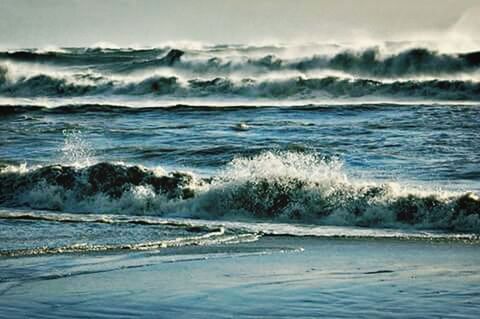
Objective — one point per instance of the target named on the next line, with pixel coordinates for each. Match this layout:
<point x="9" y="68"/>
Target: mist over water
<point x="275" y="72"/>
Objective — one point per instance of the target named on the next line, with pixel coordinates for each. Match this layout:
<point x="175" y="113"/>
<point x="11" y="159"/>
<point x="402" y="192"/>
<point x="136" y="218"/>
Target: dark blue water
<point x="435" y="144"/>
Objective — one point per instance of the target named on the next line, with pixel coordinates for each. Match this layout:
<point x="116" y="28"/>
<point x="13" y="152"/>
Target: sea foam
<point x="285" y="186"/>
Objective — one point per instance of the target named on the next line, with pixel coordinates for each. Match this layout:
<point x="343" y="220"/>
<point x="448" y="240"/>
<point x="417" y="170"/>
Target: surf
<point x="291" y="187"/>
<point x="225" y="72"/>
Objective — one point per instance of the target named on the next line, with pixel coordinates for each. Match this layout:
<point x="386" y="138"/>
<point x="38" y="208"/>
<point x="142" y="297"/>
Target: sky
<point x="32" y="23"/>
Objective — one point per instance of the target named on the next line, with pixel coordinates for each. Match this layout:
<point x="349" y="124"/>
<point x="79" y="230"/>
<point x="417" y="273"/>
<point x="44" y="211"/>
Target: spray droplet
<point x="76" y="150"/>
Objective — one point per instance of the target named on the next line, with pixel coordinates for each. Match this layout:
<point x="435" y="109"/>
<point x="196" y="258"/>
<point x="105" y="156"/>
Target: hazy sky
<point x="31" y="23"/>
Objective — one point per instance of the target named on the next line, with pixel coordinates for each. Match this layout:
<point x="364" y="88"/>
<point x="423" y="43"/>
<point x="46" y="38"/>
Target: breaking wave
<point x="372" y="61"/>
<point x="296" y="87"/>
<point x="235" y="71"/>
<point x="283" y="187"/>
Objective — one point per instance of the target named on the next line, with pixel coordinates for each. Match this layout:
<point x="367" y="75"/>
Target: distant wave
<point x="80" y="56"/>
<point x="292" y="187"/>
<point x="361" y="62"/>
<point x="245" y="72"/>
<point x="412" y="61"/>
<point x="298" y="87"/>
<point x="138" y="106"/>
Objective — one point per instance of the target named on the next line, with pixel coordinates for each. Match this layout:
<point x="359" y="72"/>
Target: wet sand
<point x="277" y="276"/>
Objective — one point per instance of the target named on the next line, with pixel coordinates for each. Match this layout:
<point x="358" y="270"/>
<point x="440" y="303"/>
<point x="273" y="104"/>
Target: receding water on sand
<point x="272" y="277"/>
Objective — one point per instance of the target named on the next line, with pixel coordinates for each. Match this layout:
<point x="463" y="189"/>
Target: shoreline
<point x="273" y="277"/>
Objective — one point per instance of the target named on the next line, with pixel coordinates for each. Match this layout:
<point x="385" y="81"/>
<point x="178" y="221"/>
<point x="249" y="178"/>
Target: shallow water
<point x="339" y="278"/>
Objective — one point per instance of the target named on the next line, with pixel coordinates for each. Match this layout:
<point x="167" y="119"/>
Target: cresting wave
<point x="235" y="71"/>
<point x="368" y="61"/>
<point x="282" y="187"/>
<point x="296" y="87"/>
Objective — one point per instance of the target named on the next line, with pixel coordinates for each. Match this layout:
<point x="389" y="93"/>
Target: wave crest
<point x="271" y="186"/>
<point x="371" y="61"/>
<point x="245" y="72"/>
<point x="44" y="85"/>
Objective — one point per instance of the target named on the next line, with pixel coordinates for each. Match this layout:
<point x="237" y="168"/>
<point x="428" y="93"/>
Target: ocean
<point x="302" y="159"/>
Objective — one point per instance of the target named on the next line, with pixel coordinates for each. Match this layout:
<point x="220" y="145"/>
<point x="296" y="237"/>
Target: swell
<point x="289" y="187"/>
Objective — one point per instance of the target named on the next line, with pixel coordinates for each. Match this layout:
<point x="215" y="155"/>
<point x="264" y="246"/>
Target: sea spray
<point x="241" y="72"/>
<point x="271" y="186"/>
<point x="76" y="150"/>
